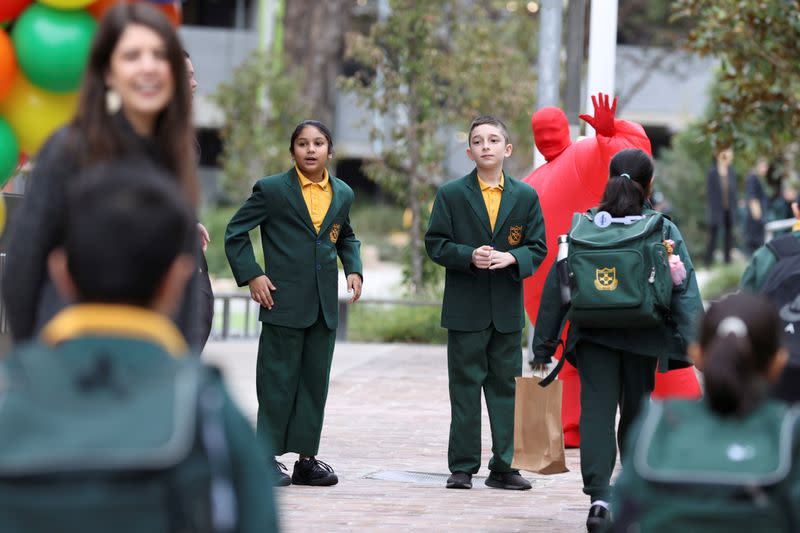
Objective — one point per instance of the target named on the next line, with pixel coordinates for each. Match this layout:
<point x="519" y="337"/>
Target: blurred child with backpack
<point x="632" y="306"/>
<point x="107" y="424"/>
<point x="774" y="271"/>
<point x="725" y="463"/>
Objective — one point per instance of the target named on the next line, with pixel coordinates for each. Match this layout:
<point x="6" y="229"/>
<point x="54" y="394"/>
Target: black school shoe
<point x="311" y="471"/>
<point x="459" y="480"/>
<point x="599" y="519"/>
<point x="507" y="480"/>
<point x="282" y="479"/>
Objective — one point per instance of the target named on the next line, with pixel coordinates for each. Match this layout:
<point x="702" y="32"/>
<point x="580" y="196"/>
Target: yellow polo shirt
<point x="318" y="197"/>
<point x="114" y="320"/>
<point x="491" y="197"/>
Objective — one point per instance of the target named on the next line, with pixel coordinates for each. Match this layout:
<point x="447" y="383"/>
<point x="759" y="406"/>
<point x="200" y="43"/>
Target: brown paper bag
<point x="538" y="434"/>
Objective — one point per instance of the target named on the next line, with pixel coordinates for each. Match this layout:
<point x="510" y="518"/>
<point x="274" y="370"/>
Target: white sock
<point x="601" y="503"/>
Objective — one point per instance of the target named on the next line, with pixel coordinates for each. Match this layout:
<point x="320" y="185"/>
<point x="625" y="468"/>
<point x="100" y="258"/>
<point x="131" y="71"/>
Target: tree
<point x="428" y="69"/>
<point x="756" y="102"/>
<point x="259" y="105"/>
<point x="313" y="39"/>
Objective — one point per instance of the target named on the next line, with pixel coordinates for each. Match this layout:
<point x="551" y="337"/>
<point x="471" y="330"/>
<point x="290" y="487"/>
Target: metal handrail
<point x="250" y="329"/>
<point x="770" y="228"/>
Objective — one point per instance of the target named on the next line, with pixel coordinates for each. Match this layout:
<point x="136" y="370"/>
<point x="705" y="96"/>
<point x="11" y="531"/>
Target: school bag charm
<point x="619" y="273"/>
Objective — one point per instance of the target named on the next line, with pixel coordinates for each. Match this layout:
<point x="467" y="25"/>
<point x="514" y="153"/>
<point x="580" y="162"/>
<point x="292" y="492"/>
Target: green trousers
<point x="486" y="360"/>
<point x="292" y="375"/>
<point x="609" y="378"/>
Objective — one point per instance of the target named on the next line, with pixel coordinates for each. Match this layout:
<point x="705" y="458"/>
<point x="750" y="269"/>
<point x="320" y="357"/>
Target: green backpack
<point x="117" y="447"/>
<point x="693" y="471"/>
<point x="618" y="271"/>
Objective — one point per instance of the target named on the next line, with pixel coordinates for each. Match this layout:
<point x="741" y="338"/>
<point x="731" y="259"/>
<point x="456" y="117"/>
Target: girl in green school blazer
<point x="304" y="218"/>
<point x="617" y="366"/>
<point x="727" y="462"/>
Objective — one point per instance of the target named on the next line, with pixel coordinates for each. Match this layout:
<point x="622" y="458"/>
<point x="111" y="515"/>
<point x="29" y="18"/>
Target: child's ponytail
<point x="630" y="172"/>
<point x="739" y="336"/>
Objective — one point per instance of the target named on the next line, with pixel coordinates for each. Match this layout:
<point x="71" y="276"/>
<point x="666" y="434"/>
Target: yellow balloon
<point x="67" y="4"/>
<point x="2" y="213"/>
<point x="34" y="113"/>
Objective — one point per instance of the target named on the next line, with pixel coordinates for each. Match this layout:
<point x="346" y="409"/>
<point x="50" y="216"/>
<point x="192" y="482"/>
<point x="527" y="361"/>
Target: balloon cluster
<point x="44" y="47"/>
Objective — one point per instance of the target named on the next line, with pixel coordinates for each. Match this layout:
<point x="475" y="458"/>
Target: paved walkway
<point x="388" y="411"/>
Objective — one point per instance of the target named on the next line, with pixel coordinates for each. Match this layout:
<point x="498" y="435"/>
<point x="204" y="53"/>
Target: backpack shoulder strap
<point x="784" y="246"/>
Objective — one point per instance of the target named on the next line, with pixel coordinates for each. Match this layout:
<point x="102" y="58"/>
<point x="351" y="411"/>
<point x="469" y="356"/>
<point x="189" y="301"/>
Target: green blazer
<point x="475" y="298"/>
<point x="301" y="264"/>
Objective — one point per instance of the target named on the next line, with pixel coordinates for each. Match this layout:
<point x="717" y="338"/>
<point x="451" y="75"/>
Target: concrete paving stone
<point x="388" y="409"/>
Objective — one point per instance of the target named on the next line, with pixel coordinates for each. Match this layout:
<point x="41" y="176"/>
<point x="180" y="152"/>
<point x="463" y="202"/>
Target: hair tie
<point x="625" y="175"/>
<point x="732" y="325"/>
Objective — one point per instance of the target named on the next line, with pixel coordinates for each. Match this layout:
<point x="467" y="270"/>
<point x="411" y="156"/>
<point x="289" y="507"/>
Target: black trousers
<point x="727" y="238"/>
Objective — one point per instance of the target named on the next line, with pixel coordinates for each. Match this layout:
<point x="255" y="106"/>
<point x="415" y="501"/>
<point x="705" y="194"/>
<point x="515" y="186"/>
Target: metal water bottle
<point x="562" y="269"/>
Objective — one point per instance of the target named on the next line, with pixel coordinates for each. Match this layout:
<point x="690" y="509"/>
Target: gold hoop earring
<point x="113" y="102"/>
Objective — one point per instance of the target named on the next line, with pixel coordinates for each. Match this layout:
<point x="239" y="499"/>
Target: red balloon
<point x="99" y="8"/>
<point x="8" y="64"/>
<point x="171" y="9"/>
<point x="10" y="9"/>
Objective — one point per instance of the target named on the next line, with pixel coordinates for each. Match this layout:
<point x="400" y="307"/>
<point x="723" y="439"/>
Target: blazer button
<point x="319" y="242"/>
<point x="319" y="267"/>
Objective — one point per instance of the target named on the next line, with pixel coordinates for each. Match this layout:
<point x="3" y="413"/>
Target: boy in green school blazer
<point x="104" y="415"/>
<point x="304" y="217"/>
<point x="487" y="230"/>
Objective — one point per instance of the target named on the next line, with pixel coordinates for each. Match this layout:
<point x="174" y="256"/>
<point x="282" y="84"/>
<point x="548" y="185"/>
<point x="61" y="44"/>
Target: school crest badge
<point x="515" y="235"/>
<point x="334" y="234"/>
<point x="605" y="279"/>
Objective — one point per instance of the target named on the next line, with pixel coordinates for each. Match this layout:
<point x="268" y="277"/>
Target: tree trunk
<point x="314" y="41"/>
<point x="414" y="204"/>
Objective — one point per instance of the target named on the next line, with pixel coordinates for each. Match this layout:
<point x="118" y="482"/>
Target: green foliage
<point x="724" y="279"/>
<point x="681" y="176"/>
<point x="379" y="323"/>
<point x="379" y="225"/>
<point x="429" y="67"/>
<point x="261" y="104"/>
<point x="756" y="103"/>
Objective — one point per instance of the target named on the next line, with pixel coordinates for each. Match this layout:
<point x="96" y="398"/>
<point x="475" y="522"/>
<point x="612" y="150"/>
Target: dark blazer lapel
<point x="295" y="198"/>
<point x="336" y="204"/>
<point x="507" y="201"/>
<point x="475" y="199"/>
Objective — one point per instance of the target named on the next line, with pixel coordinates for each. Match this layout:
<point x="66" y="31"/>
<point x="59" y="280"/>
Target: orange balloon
<point x="8" y="65"/>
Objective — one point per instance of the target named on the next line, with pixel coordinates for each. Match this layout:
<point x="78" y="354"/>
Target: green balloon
<point x="9" y="152"/>
<point x="52" y="46"/>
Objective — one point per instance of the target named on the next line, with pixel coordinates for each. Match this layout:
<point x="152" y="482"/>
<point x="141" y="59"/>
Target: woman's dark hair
<point x="739" y="336"/>
<point x="630" y="174"/>
<point x="100" y="132"/>
<point x="317" y="124"/>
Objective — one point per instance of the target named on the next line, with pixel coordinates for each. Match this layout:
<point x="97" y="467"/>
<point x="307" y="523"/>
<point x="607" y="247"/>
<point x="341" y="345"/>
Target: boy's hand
<point x="482" y="257"/>
<point x="260" y="288"/>
<point x="501" y="260"/>
<point x="354" y="285"/>
<point x="205" y="238"/>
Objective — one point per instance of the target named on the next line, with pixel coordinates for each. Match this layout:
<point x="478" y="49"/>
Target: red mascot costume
<point x="573" y="180"/>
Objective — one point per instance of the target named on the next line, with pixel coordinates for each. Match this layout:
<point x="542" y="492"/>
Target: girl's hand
<point x="501" y="260"/>
<point x="354" y="285"/>
<point x="205" y="238"/>
<point x="260" y="291"/>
